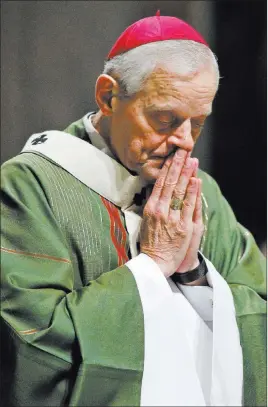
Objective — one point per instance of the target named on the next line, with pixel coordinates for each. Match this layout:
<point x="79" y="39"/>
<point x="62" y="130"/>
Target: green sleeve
<point x="61" y="346"/>
<point x="232" y="250"/>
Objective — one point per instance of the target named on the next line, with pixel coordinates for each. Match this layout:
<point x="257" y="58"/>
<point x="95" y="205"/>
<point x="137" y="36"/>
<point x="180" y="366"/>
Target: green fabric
<point x="88" y="347"/>
<point x="79" y="329"/>
<point x="234" y="253"/>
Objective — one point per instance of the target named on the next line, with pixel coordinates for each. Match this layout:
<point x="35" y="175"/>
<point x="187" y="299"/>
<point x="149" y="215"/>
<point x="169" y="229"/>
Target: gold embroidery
<point x="38" y="255"/>
<point x="28" y="331"/>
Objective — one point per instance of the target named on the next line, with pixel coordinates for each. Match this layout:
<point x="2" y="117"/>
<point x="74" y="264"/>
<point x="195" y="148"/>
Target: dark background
<point x="53" y="51"/>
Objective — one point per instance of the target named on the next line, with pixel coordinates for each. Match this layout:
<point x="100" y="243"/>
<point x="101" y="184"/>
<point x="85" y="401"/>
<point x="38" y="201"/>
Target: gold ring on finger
<point x="176" y="204"/>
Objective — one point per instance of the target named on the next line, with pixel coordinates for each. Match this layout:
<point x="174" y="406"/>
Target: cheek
<point x="128" y="149"/>
<point x="142" y="145"/>
<point x="133" y="139"/>
<point x="135" y="148"/>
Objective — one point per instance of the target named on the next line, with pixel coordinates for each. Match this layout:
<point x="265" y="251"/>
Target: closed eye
<point x="164" y="120"/>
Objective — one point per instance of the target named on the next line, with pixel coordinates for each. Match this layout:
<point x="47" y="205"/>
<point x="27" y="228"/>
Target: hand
<point x="166" y="234"/>
<point x="191" y="260"/>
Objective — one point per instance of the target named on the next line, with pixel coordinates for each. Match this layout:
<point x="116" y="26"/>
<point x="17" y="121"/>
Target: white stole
<point x="196" y="367"/>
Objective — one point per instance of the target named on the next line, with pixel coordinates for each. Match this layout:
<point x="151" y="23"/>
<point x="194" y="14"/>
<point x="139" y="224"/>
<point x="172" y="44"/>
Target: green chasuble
<point x="71" y="311"/>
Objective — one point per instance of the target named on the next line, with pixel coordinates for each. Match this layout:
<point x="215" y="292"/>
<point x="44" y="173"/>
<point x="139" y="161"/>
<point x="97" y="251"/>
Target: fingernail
<point x="193" y="182"/>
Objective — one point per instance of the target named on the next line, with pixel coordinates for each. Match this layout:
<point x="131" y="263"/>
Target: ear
<point x="105" y="89"/>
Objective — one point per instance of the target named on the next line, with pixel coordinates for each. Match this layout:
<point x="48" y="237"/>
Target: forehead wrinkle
<point x="163" y="73"/>
<point x="180" y="106"/>
<point x="186" y="98"/>
<point x="163" y="81"/>
<point x="186" y="90"/>
<point x="183" y="91"/>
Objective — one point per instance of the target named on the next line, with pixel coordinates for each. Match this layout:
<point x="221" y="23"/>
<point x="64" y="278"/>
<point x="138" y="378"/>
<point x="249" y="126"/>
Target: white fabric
<point x="227" y="359"/>
<point x="176" y="372"/>
<point x="201" y="299"/>
<point x="178" y="352"/>
<point x="214" y="360"/>
<point x="71" y="153"/>
<point x="95" y="138"/>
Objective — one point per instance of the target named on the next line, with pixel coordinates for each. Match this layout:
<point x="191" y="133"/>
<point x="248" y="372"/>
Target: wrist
<point x="194" y="265"/>
<point x="196" y="276"/>
<point x="159" y="263"/>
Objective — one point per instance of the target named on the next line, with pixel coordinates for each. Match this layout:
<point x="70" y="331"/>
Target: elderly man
<point x="126" y="279"/>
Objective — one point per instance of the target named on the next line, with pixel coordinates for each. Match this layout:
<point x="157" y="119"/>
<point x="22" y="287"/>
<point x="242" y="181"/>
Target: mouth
<point x="157" y="158"/>
<point x="155" y="161"/>
<point x="163" y="157"/>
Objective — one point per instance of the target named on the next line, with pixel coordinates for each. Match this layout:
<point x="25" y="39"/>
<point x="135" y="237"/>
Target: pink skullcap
<point x="152" y="29"/>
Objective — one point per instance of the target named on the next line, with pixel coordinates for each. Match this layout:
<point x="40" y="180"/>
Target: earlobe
<point x="106" y="88"/>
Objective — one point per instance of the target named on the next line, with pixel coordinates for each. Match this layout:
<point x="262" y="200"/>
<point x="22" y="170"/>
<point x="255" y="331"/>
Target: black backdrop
<point x="239" y="142"/>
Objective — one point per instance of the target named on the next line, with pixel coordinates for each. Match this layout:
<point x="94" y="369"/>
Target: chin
<point x="149" y="174"/>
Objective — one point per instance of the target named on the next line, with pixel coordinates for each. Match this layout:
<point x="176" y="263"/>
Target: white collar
<point x="95" y="137"/>
<point x="89" y="164"/>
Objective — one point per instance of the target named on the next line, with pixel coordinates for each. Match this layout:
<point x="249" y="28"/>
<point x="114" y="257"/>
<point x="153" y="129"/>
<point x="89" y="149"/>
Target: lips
<point x="163" y="157"/>
<point x="154" y="163"/>
<point x="151" y="159"/>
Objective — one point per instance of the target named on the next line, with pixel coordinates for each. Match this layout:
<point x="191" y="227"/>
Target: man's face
<point x="167" y="114"/>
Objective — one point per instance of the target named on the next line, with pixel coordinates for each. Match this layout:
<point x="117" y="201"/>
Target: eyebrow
<point x="164" y="107"/>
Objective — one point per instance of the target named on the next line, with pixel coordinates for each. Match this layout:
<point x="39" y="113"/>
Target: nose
<point x="182" y="136"/>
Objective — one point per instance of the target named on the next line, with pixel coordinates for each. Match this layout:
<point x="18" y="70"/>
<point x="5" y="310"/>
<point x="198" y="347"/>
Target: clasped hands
<point x="172" y="237"/>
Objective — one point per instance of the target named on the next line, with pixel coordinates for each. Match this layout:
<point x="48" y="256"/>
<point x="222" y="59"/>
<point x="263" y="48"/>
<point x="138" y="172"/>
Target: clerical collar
<point x="98" y="142"/>
<point x="96" y="139"/>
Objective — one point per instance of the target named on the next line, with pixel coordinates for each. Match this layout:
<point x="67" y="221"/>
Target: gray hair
<point x="182" y="57"/>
